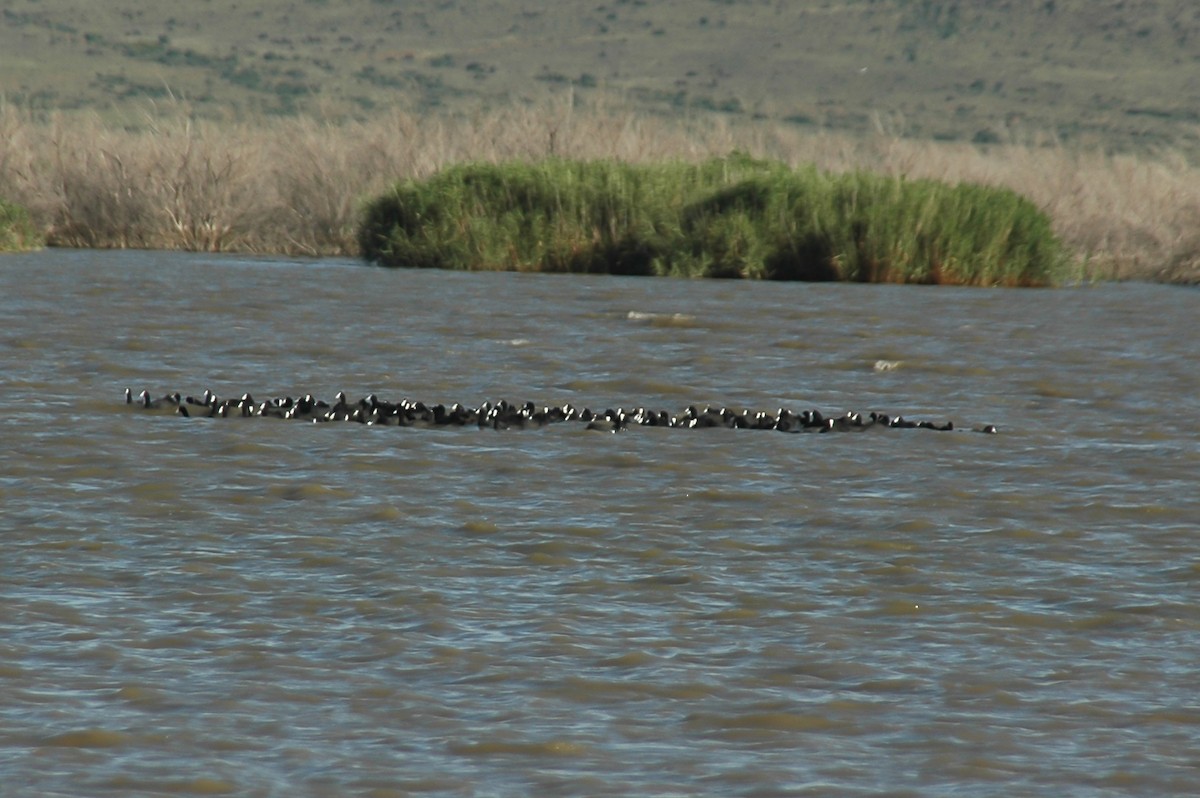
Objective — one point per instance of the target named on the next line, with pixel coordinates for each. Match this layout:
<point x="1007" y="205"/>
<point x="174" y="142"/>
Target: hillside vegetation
<point x="296" y="185"/>
<point x="265" y="125"/>
<point x="1120" y="74"/>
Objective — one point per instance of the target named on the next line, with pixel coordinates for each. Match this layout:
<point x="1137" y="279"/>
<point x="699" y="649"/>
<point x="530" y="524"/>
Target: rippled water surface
<point x="271" y="608"/>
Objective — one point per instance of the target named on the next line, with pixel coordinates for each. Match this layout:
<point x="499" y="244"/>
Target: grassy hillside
<point x="1117" y="73"/>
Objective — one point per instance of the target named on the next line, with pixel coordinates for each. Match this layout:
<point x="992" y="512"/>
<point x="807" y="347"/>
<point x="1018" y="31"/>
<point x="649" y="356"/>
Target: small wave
<point x="631" y="659"/>
<point x="305" y="492"/>
<point x="480" y="526"/>
<point x="383" y="512"/>
<point x="551" y="748"/>
<point x="89" y="738"/>
<point x="766" y="721"/>
<point x="662" y="319"/>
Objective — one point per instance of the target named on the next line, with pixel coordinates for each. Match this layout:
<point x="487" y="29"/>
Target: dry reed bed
<point x="296" y="186"/>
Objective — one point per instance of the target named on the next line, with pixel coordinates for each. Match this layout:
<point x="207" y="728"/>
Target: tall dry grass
<point x="296" y="185"/>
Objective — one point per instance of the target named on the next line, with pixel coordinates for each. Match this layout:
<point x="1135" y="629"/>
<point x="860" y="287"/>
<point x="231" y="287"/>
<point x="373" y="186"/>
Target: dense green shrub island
<point x="726" y="217"/>
<point x="17" y="231"/>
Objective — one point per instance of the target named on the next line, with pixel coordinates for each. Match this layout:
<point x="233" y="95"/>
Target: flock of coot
<point x="503" y="415"/>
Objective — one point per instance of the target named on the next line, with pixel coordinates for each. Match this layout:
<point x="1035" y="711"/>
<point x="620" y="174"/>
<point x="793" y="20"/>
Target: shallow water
<point x="270" y="608"/>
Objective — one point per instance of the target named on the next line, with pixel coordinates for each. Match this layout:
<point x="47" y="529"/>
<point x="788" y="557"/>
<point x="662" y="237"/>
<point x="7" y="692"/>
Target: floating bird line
<point x="501" y="415"/>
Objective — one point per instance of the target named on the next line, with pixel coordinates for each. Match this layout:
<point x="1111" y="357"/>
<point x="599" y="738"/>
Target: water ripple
<point x="217" y="607"/>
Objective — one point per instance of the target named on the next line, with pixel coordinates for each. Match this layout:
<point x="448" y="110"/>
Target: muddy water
<point x="270" y="608"/>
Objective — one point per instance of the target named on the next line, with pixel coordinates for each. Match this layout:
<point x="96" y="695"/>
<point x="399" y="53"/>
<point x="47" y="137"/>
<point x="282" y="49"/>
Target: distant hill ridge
<point x="1123" y="74"/>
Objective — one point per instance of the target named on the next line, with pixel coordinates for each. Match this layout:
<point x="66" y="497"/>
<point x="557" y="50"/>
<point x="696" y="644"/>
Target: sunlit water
<point x="270" y="608"/>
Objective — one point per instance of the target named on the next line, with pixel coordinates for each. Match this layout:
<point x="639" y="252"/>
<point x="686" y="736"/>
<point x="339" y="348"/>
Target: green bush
<point x="17" y="231"/>
<point x="726" y="217"/>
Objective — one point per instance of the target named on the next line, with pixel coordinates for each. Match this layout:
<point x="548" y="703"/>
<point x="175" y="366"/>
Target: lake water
<point x="271" y="608"/>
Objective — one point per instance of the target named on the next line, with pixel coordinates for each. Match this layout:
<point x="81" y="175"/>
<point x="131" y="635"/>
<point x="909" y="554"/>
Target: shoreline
<point x="1183" y="281"/>
<point x="296" y="186"/>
